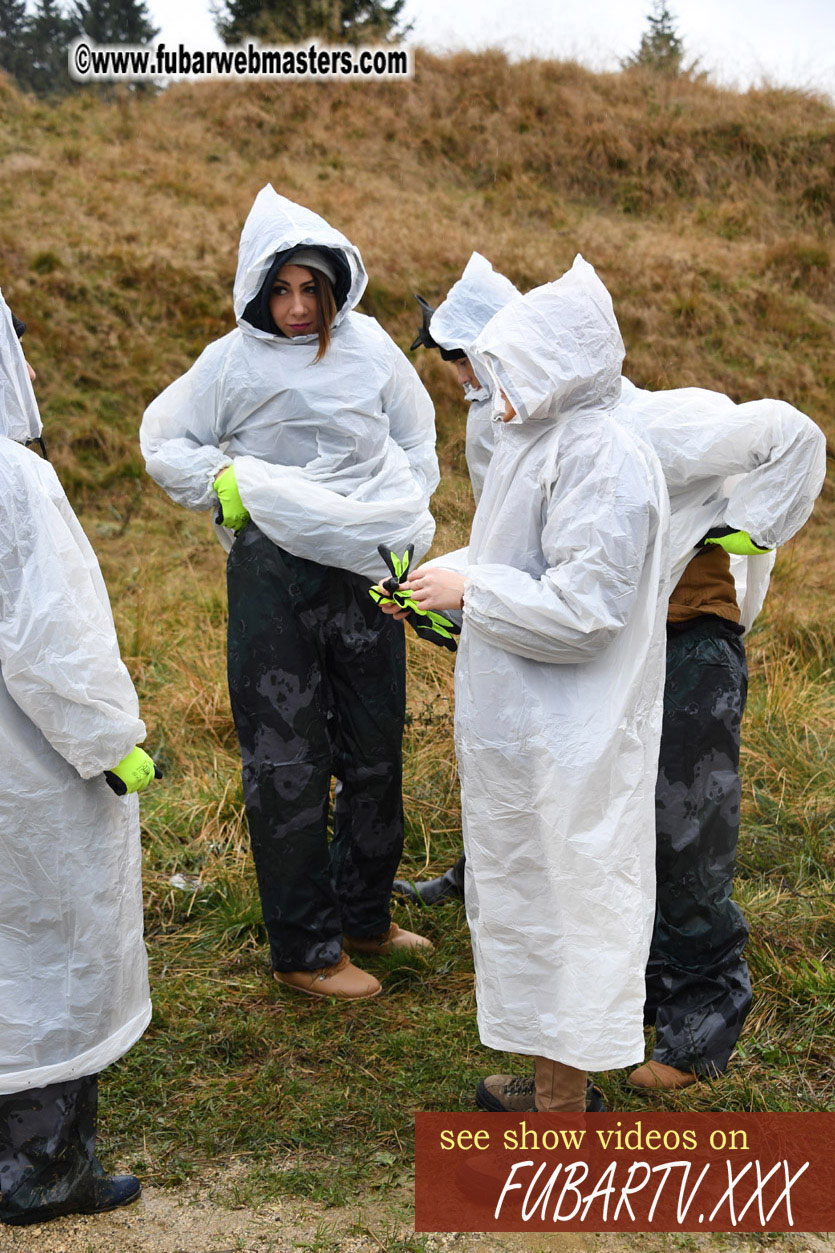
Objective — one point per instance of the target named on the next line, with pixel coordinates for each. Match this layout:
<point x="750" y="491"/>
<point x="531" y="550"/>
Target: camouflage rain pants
<point x="47" y="1147"/>
<point x="317" y="682"/>
<point x="698" y="989"/>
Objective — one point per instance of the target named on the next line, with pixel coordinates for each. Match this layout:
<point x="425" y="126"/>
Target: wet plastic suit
<point x="317" y="685"/>
<point x="698" y="988"/>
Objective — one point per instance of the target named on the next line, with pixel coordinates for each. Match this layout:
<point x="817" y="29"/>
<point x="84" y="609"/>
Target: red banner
<point x="625" y="1172"/>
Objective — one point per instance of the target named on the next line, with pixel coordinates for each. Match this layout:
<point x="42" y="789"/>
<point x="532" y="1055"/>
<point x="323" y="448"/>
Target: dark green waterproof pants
<point x="698" y="988"/>
<point x="318" y="690"/>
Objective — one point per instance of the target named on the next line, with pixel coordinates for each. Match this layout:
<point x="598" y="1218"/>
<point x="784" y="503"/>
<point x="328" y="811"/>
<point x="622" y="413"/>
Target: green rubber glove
<point x="738" y="543"/>
<point x="232" y="512"/>
<point x="436" y="628"/>
<point x="133" y="773"/>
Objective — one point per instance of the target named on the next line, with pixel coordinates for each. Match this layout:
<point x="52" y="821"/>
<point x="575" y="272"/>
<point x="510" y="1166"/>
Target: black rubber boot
<point x="108" y="1192"/>
<point x="112" y="1191"/>
<point x="447" y="887"/>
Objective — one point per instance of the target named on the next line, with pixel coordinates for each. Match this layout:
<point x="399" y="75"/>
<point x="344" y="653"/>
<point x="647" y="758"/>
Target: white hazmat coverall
<point x="73" y="970"/>
<point x="756" y="467"/>
<point x="332" y="457"/>
<point x="467" y="308"/>
<point x="559" y="680"/>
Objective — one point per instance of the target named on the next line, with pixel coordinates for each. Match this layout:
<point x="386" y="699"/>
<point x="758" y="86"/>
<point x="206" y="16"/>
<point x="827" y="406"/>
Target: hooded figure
<point x="756" y="468"/>
<point x="747" y="476"/>
<point x="73" y="969"/>
<point x="751" y="470"/>
<point x="331" y="457"/>
<point x="457" y="322"/>
<point x="331" y="443"/>
<point x="558" y="689"/>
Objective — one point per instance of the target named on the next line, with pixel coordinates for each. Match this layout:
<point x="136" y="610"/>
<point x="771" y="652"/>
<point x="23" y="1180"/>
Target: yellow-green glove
<point x="437" y="628"/>
<point x="429" y="625"/>
<point x="133" y="773"/>
<point x="738" y="543"/>
<point x="231" y="512"/>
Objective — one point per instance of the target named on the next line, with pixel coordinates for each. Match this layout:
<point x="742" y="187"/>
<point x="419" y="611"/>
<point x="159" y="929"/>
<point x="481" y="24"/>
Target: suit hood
<point x="277" y="225"/>
<point x="556" y="349"/>
<point x="470" y="303"/>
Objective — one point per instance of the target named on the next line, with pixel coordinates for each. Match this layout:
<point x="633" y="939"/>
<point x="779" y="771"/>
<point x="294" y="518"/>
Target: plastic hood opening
<point x="277" y="225"/>
<point x="556" y="349"/>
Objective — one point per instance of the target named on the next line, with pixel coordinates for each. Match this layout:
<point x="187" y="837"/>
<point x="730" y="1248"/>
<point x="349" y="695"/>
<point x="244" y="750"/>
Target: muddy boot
<point x="48" y="1165"/>
<point x="657" y="1077"/>
<point x="506" y="1094"/>
<point x="106" y="1192"/>
<point x="559" y="1089"/>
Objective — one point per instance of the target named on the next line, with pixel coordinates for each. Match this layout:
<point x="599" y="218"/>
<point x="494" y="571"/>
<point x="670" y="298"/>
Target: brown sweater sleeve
<point x="707" y="586"/>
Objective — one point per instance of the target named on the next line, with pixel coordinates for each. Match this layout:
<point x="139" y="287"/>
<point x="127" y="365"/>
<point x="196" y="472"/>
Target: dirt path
<point x="187" y="1220"/>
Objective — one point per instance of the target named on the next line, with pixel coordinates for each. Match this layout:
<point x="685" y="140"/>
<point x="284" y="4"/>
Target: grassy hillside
<point x="709" y="215"/>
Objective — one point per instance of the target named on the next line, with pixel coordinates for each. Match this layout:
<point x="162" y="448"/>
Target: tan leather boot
<point x="559" y="1089"/>
<point x="506" y="1094"/>
<point x="657" y="1077"/>
<point x="393" y="940"/>
<point x="344" y="981"/>
<point x="512" y="1094"/>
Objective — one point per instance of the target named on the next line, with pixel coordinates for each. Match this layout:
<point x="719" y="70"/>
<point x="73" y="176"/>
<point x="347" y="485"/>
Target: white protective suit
<point x="558" y="689"/>
<point x="332" y="457"/>
<point x="755" y="467"/>
<point x="456" y="323"/>
<point x="73" y="969"/>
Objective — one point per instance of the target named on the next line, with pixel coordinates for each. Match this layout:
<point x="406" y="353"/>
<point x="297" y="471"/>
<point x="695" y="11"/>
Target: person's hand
<point x="232" y="511"/>
<point x="737" y="543"/>
<point x="434" y="588"/>
<point x="396" y="598"/>
<point x="133" y="773"/>
<point x="389" y="606"/>
<point x="385" y="589"/>
<point x="509" y="412"/>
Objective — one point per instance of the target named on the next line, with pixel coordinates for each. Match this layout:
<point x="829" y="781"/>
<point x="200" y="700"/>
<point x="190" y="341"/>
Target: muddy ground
<point x="191" y="1219"/>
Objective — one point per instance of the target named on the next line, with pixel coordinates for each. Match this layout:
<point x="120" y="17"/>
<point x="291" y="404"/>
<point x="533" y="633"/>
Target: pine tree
<point x="662" y="49"/>
<point x="14" y="39"/>
<point x="49" y="37"/>
<point x="115" y="21"/>
<point x="292" y="20"/>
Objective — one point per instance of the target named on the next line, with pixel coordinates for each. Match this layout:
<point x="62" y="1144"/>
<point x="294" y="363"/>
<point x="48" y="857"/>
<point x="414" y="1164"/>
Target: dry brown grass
<point x="709" y="214"/>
